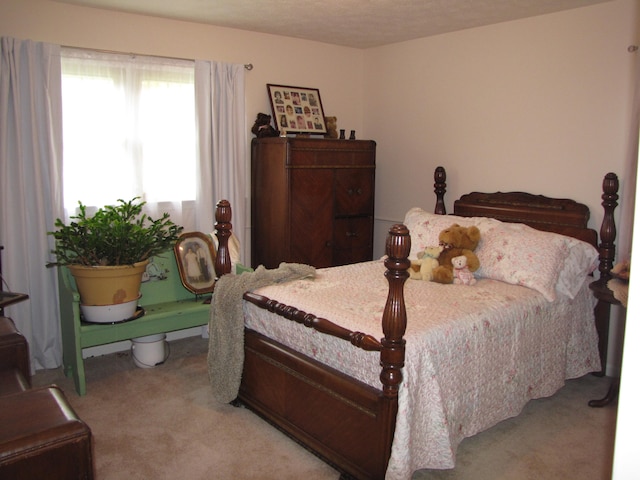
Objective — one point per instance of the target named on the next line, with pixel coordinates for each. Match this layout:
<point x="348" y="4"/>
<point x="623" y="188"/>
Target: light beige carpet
<point x="162" y="423"/>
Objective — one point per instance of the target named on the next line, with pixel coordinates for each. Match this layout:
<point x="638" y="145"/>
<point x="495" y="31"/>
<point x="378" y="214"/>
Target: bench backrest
<point x="166" y="287"/>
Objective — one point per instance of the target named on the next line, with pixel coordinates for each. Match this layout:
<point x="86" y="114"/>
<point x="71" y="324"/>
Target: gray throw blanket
<point x="226" y="325"/>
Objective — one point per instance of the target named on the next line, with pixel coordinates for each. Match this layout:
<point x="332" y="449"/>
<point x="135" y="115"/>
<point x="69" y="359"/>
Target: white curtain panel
<point x="222" y="143"/>
<point x="31" y="189"/>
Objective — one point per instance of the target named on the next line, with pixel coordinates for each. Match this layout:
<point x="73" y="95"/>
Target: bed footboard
<point x="344" y="421"/>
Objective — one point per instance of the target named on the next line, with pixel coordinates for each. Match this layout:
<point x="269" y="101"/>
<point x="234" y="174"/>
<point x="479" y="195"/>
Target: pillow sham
<point x="583" y="259"/>
<point x="425" y="227"/>
<point x="518" y="254"/>
<point x="513" y="252"/>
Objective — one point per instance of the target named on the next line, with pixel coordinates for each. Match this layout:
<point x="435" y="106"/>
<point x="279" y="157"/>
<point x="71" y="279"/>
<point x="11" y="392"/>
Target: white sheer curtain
<point x="129" y="131"/>
<point x="222" y="143"/>
<point x="30" y="189"/>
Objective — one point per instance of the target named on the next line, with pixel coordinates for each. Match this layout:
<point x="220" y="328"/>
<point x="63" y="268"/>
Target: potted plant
<point x="113" y="245"/>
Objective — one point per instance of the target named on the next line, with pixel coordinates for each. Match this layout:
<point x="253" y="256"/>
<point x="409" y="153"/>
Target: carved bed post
<point x="394" y="324"/>
<point x="608" y="228"/>
<point x="223" y="232"/>
<point x="394" y="318"/>
<point x="607" y="251"/>
<point x="440" y="188"/>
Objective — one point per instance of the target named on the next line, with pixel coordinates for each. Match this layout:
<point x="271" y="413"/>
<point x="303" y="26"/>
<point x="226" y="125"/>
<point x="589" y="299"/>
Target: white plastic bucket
<point x="149" y="351"/>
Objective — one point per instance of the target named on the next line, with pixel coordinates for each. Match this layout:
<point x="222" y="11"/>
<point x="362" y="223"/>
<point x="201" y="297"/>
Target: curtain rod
<point x="247" y="66"/>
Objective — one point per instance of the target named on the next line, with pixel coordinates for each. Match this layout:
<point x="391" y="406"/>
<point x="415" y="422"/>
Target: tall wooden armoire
<point x="312" y="201"/>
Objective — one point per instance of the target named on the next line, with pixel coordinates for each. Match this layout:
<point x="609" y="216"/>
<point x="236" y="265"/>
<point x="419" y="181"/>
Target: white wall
<point x="540" y="104"/>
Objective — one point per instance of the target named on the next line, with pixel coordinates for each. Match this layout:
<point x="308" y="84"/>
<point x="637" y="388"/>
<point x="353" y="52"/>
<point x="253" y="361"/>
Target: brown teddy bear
<point x="262" y="127"/>
<point x="332" y="127"/>
<point x="456" y="241"/>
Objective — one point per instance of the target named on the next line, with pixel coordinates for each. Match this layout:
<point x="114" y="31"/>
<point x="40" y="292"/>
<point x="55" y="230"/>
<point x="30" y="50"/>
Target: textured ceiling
<point x="352" y="23"/>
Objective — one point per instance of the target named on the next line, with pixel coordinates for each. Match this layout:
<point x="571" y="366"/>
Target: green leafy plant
<point x="113" y="235"/>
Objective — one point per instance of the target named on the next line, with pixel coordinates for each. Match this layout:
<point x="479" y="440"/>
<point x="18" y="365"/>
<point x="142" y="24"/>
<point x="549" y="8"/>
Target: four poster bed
<point x="452" y="360"/>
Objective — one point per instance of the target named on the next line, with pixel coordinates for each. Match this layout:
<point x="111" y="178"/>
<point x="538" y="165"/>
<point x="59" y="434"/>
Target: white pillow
<point x="518" y="254"/>
<point x="513" y="252"/>
<point x="425" y="227"/>
<point x="583" y="259"/>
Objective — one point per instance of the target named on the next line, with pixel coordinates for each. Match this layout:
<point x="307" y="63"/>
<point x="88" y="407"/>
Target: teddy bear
<point x="456" y="241"/>
<point x="332" y="127"/>
<point x="422" y="268"/>
<point x="262" y="127"/>
<point x="461" y="273"/>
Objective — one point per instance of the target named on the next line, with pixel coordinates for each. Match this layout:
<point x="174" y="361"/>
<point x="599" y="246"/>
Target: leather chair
<point x="41" y="435"/>
<point x="15" y="374"/>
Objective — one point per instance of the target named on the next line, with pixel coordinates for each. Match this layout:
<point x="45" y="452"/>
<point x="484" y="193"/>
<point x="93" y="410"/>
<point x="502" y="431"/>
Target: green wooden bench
<point x="168" y="306"/>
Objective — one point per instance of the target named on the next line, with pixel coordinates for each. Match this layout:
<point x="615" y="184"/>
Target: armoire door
<point x="311" y="217"/>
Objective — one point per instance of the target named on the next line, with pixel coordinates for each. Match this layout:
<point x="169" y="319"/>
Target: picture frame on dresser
<point x="196" y="257"/>
<point x="297" y="109"/>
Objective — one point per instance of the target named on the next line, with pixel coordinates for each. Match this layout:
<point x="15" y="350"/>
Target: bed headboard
<point x="559" y="215"/>
<point x="542" y="213"/>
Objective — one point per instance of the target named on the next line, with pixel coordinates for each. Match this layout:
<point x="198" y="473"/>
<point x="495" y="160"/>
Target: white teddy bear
<point x="461" y="273"/>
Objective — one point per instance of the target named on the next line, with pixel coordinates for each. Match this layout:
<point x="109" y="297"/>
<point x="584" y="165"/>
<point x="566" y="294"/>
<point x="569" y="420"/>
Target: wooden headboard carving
<point x="563" y="216"/>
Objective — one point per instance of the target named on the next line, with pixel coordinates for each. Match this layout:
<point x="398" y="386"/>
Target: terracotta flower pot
<point x="108" y="285"/>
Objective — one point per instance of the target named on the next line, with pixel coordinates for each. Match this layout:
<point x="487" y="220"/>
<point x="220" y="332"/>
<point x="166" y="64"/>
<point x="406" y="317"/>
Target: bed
<point x="398" y="399"/>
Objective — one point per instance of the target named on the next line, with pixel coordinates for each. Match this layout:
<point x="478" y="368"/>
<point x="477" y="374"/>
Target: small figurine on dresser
<point x="332" y="127"/>
<point x="262" y="127"/>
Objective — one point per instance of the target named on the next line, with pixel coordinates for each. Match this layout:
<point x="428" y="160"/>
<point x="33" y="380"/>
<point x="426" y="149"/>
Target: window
<point x="128" y="130"/>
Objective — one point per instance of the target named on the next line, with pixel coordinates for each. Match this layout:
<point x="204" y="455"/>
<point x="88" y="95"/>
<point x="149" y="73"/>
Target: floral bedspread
<point x="475" y="355"/>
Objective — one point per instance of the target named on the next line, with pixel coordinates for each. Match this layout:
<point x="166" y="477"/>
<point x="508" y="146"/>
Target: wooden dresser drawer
<point x="329" y="153"/>
<point x="354" y="191"/>
<point x="352" y="232"/>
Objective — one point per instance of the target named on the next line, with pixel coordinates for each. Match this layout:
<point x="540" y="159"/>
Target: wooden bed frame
<point x="344" y="421"/>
